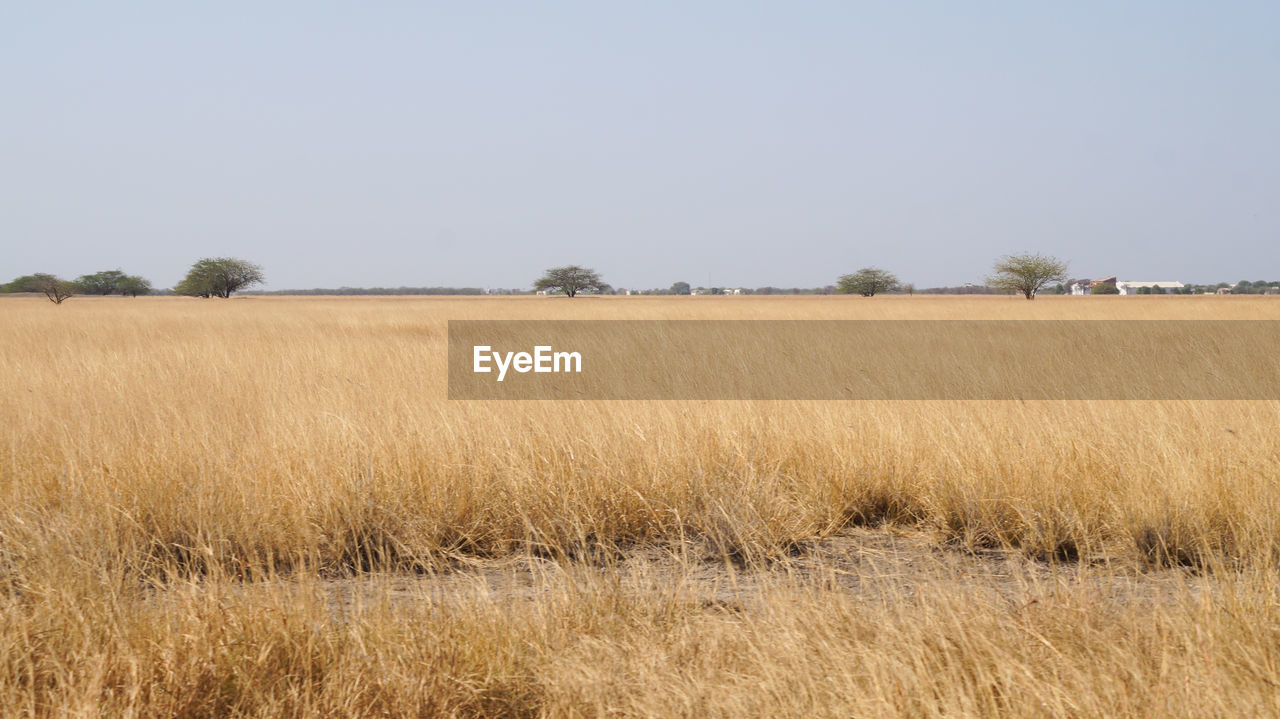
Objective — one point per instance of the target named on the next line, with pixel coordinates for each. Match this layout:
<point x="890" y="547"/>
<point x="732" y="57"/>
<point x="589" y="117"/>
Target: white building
<point x="1130" y="287"/>
<point x="1086" y="287"/>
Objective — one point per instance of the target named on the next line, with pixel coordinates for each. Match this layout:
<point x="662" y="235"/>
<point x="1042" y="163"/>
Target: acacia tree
<point x="867" y="282"/>
<point x="1027" y="273"/>
<point x="55" y="288"/>
<point x="570" y="280"/>
<point x="219" y="277"/>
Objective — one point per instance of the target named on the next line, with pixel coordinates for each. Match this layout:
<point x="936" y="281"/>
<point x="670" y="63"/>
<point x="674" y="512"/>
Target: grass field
<point x="267" y="507"/>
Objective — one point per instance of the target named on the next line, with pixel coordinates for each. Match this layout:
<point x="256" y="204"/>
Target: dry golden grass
<point x="184" y="483"/>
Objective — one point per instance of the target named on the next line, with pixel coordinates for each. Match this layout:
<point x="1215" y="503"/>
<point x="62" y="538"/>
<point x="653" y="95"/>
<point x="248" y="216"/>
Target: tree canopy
<point x="100" y="283"/>
<point x="867" y="282"/>
<point x="571" y="280"/>
<point x="219" y="277"/>
<point x="53" y="287"/>
<point x="111" y="282"/>
<point x="1027" y="273"/>
<point x="25" y="283"/>
<point x="133" y="285"/>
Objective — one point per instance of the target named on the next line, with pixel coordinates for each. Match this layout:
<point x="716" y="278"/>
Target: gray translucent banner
<point x="859" y="359"/>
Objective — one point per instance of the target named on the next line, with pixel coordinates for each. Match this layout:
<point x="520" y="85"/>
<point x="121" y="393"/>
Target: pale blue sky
<point x="475" y="144"/>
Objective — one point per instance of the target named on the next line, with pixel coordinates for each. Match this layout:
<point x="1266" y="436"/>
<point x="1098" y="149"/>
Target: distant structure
<point x="1131" y="287"/>
<point x="1093" y="284"/>
<point x="1125" y="287"/>
<point x="1086" y="287"/>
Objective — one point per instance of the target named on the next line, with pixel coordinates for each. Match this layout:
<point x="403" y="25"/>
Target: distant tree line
<point x="968" y="289"/>
<point x="1245" y="287"/>
<point x="208" y="277"/>
<point x="107" y="282"/>
<point x="386" y="291"/>
<point x="1026" y="274"/>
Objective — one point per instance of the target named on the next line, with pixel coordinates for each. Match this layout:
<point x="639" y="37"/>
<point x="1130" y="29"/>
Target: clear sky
<point x="725" y="143"/>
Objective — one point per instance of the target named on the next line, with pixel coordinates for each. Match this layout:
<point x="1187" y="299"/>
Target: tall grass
<point x="180" y="481"/>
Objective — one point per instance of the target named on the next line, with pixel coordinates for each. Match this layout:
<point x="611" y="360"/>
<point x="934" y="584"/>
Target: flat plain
<point x="266" y="506"/>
